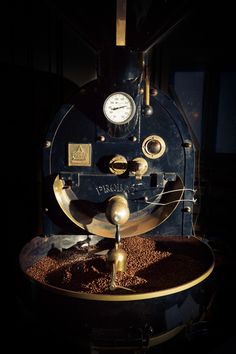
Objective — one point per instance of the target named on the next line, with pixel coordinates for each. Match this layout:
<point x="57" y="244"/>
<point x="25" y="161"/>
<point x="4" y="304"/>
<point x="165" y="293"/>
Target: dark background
<point x="51" y="51"/>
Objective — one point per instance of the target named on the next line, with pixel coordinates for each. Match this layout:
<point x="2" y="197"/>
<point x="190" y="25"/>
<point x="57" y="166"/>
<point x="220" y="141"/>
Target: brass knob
<point x="138" y="167"/>
<point x="118" y="165"/>
<point x="153" y="147"/>
<point x="117" y="211"/>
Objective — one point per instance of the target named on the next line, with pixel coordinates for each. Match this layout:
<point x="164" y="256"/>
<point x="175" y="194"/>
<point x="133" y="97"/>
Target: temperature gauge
<point x="119" y="108"/>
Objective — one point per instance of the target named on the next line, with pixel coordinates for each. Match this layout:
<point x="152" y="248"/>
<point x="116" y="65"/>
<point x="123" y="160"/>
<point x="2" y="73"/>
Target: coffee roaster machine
<point x="119" y="162"/>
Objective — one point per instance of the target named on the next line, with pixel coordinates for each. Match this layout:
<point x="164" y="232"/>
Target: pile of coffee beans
<point x="152" y="264"/>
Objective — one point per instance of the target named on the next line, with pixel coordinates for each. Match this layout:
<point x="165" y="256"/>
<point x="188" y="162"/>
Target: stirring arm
<point x="117" y="235"/>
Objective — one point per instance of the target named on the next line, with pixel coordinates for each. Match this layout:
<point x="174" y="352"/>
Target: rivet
<point x="148" y="111"/>
<point x="153" y="91"/>
<point x="187" y="210"/>
<point x="101" y="138"/>
<point x="187" y="144"/>
<point x="47" y="144"/>
<point x="133" y="138"/>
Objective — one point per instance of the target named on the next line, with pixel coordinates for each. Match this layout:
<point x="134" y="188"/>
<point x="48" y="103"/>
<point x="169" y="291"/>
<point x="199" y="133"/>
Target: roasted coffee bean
<point x="152" y="264"/>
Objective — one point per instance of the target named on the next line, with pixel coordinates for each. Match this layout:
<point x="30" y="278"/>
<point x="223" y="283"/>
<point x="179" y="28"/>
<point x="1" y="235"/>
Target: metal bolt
<point x="47" y="144"/>
<point x="148" y="111"/>
<point x="133" y="138"/>
<point x="153" y="91"/>
<point x="187" y="210"/>
<point x="187" y="144"/>
<point x="101" y="138"/>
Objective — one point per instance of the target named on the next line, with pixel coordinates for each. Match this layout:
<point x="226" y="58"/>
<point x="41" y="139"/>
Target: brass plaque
<point x="79" y="154"/>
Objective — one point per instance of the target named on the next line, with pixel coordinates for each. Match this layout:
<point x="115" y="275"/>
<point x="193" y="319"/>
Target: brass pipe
<point x="121" y="22"/>
<point x="147" y="86"/>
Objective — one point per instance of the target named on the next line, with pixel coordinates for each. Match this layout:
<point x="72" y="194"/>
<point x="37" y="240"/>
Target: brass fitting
<point x="117" y="211"/>
<point x="118" y="257"/>
<point x="118" y="165"/>
<point x="138" y="167"/>
<point x="153" y="147"/>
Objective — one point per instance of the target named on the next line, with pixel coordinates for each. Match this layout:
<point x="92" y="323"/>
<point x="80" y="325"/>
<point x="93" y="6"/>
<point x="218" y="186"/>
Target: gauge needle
<point x="117" y="108"/>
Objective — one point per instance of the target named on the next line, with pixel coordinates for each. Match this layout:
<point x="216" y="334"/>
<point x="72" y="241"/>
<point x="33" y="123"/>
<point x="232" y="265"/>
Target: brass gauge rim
<point x="145" y="148"/>
<point x="118" y="165"/>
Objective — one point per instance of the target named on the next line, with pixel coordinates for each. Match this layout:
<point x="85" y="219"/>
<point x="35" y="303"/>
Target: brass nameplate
<point x="79" y="154"/>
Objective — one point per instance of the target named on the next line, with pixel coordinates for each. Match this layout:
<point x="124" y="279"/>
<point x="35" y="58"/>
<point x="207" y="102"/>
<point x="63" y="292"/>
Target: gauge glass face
<point x="119" y="108"/>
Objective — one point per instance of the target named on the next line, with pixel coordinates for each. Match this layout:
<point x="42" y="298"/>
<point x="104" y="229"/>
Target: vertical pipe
<point x="147" y="86"/>
<point x="121" y="22"/>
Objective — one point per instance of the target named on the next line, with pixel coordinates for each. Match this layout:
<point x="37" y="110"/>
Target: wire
<point x="176" y="190"/>
<point x="173" y="201"/>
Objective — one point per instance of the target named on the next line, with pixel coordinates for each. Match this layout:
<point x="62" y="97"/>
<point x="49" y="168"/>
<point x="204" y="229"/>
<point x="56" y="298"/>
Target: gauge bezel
<point x="149" y="154"/>
<point x="133" y="107"/>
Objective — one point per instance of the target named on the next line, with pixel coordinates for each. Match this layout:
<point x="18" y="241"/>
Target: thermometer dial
<point x="119" y="108"/>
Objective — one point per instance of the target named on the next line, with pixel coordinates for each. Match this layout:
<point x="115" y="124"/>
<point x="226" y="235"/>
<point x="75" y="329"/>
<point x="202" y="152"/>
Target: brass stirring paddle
<point x="117" y="213"/>
<point x="118" y="258"/>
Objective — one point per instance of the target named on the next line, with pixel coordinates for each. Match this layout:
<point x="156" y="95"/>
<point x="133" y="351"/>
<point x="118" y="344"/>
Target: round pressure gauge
<point x="119" y="108"/>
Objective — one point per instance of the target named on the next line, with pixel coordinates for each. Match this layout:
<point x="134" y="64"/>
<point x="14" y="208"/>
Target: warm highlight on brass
<point x="118" y="257"/>
<point x="121" y="22"/>
<point x="118" y="165"/>
<point x="117" y="211"/>
<point x="147" y="87"/>
<point x="153" y="147"/>
<point x="139" y="167"/>
<point x="79" y="154"/>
